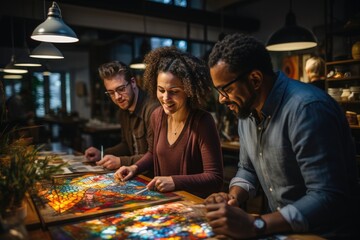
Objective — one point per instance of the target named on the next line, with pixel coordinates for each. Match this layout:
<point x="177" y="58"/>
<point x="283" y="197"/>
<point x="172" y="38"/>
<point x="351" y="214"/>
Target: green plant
<point x="20" y="166"/>
<point x="20" y="170"/>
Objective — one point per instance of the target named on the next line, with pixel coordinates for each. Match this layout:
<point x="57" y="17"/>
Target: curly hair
<point x="111" y="69"/>
<point x="242" y="53"/>
<point x="193" y="73"/>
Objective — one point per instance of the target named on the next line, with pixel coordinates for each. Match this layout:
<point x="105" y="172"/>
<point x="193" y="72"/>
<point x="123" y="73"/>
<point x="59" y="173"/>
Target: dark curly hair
<point x="192" y="71"/>
<point x="242" y="53"/>
<point x="111" y="69"/>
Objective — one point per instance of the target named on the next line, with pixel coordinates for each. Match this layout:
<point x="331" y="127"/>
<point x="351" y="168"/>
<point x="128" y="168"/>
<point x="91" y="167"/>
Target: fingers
<point x="216" y="198"/>
<point x="156" y="185"/>
<point x="107" y="162"/>
<point x="92" y="154"/>
<point x="151" y="185"/>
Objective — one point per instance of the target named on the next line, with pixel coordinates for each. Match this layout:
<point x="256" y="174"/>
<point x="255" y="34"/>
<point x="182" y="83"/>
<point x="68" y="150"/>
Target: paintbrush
<point x="141" y="191"/>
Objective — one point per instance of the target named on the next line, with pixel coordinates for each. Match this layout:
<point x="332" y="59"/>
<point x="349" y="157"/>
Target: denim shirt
<point x="301" y="153"/>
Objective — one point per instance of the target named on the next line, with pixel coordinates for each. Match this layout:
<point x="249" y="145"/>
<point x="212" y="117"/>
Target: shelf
<point x="349" y="61"/>
<point x="354" y="126"/>
<point x="344" y="78"/>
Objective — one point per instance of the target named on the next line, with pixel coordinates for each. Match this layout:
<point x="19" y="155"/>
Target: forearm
<point x="276" y="223"/>
<point x="240" y="194"/>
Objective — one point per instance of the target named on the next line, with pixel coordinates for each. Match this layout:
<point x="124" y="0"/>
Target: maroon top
<point x="194" y="160"/>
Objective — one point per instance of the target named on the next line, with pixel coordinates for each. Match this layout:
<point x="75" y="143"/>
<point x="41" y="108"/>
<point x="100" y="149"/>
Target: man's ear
<point x="256" y="79"/>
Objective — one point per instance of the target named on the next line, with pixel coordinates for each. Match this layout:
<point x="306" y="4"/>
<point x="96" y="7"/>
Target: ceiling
<point x="218" y="14"/>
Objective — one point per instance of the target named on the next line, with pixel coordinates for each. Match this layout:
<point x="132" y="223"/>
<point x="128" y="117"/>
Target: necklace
<point x="176" y="129"/>
<point x="178" y="126"/>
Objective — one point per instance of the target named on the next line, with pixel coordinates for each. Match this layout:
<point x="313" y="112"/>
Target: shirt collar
<point x="273" y="100"/>
<point x="139" y="102"/>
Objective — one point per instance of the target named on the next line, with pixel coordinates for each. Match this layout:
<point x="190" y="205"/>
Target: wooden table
<point x="36" y="232"/>
<point x="33" y="223"/>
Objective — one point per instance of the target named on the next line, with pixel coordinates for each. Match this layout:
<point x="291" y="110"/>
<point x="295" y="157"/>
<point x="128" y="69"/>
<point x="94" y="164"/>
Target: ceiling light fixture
<point x="12" y="76"/>
<point x="53" y="29"/>
<point x="291" y="37"/>
<point x="46" y="50"/>
<point x="24" y="60"/>
<point x="138" y="62"/>
<point x="10" y="67"/>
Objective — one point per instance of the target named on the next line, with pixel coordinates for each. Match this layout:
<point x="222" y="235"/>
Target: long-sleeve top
<point x="135" y="131"/>
<point x="303" y="155"/>
<point x="194" y="160"/>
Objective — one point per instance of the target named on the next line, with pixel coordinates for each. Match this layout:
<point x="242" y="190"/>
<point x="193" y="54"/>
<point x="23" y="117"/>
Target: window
<point x="49" y="89"/>
<point x="179" y="3"/>
<point x="163" y="42"/>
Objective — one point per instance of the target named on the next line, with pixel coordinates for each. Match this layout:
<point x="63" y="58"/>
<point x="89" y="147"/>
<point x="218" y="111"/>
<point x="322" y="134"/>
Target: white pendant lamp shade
<point x="53" y="29"/>
<point x="11" y="68"/>
<point x="12" y="76"/>
<point x="138" y="64"/>
<point x="26" y="61"/>
<point x="291" y="37"/>
<point x="46" y="51"/>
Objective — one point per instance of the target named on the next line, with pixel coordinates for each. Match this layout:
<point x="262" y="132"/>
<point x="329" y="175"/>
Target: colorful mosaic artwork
<point x="167" y="221"/>
<point x="68" y="198"/>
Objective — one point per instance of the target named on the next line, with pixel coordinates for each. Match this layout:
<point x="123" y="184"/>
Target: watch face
<point x="259" y="223"/>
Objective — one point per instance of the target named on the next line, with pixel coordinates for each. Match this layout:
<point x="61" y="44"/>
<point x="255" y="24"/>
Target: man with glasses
<point x="295" y="142"/>
<point x="134" y="115"/>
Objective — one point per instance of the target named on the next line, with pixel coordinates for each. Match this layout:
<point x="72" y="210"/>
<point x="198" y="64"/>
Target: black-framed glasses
<point x="222" y="90"/>
<point x="119" y="90"/>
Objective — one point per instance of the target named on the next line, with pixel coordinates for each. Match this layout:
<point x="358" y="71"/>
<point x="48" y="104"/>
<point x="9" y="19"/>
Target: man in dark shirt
<point x="135" y="110"/>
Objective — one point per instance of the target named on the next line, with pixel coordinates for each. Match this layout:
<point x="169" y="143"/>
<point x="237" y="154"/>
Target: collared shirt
<point x="135" y="130"/>
<point x="302" y="154"/>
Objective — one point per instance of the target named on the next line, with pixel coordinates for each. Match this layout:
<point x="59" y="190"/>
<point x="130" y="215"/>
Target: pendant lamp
<point x="291" y="37"/>
<point x="25" y="60"/>
<point x="46" y="50"/>
<point x="10" y="67"/>
<point x="12" y="76"/>
<point x="53" y="29"/>
<point x="138" y="62"/>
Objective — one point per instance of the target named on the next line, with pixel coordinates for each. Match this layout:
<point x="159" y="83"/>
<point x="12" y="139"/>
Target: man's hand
<point x="110" y="162"/>
<point x="222" y="197"/>
<point x="230" y="221"/>
<point x="92" y="154"/>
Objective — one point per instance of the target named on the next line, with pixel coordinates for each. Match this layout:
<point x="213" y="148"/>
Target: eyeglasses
<point x="222" y="90"/>
<point x="119" y="90"/>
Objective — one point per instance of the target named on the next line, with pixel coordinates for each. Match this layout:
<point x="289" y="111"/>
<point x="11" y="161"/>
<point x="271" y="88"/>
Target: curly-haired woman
<point x="186" y="153"/>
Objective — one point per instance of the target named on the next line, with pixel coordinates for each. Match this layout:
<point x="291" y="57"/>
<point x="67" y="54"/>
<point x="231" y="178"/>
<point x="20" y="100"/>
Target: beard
<point x="125" y="105"/>
<point x="243" y="112"/>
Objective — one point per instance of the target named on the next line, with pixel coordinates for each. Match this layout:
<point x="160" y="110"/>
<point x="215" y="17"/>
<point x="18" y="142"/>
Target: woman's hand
<point x="161" y="184"/>
<point x="125" y="172"/>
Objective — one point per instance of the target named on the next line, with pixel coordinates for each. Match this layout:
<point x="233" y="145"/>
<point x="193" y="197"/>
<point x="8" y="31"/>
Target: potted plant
<point x="20" y="170"/>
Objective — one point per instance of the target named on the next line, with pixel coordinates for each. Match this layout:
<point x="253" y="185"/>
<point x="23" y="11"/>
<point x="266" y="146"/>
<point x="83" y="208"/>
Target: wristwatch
<point x="259" y="225"/>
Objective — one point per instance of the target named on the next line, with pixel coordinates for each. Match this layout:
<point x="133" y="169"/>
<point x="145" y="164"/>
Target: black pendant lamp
<point x="53" y="29"/>
<point x="46" y="50"/>
<point x="10" y="67"/>
<point x="291" y="37"/>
